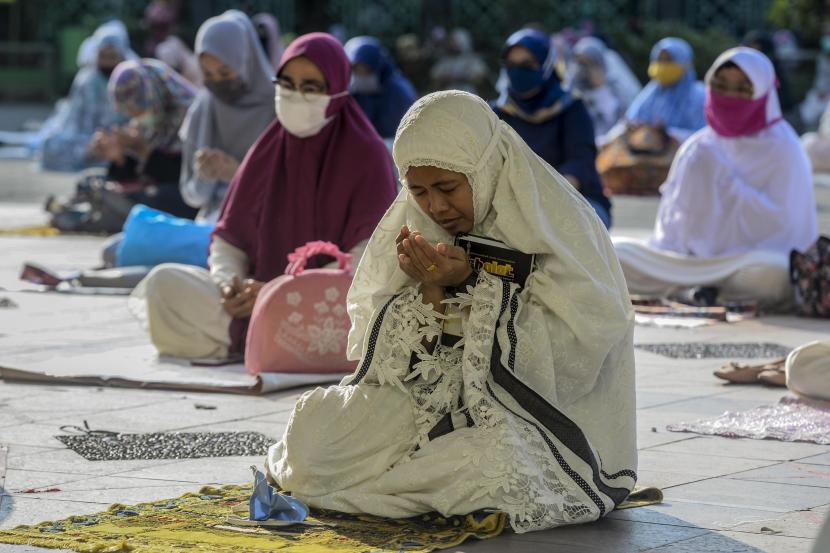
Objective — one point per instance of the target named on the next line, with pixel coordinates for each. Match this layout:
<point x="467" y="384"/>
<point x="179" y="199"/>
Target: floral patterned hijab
<point x="155" y="97"/>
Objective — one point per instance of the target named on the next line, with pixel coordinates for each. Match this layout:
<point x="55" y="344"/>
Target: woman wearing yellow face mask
<point x="665" y="71"/>
<point x="674" y="97"/>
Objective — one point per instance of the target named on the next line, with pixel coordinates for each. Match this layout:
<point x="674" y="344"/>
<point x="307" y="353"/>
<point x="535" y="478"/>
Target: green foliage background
<point x="805" y="17"/>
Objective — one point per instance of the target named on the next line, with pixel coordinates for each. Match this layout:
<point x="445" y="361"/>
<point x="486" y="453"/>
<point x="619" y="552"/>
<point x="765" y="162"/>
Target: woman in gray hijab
<point x="228" y="116"/>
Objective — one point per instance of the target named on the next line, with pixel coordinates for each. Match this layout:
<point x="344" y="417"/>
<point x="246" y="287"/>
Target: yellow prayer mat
<point x="39" y="230"/>
<point x="200" y="522"/>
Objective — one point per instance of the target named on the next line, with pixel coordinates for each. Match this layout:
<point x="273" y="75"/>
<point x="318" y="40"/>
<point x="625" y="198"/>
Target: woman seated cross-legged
<point x="739" y="196"/>
<point x="475" y="392"/>
<point x="320" y="172"/>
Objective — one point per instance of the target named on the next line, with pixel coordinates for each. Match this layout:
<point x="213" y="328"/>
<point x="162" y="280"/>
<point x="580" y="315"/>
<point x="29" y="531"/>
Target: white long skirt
<point x="182" y="308"/>
<point x="355" y="449"/>
<point x="757" y="275"/>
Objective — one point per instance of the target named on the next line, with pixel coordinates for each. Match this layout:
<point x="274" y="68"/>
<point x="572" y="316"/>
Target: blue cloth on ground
<point x="268" y="504"/>
<point x="152" y="237"/>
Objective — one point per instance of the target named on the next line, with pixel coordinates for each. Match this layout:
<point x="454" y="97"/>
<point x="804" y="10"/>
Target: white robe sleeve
<point x="226" y="261"/>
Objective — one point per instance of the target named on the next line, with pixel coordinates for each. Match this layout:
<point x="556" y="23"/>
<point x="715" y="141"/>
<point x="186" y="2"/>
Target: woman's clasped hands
<point x="438" y="266"/>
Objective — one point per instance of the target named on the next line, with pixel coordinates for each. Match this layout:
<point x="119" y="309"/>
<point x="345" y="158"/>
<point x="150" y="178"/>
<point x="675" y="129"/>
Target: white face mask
<point x="303" y="116"/>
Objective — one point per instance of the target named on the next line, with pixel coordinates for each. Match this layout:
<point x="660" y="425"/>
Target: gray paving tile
<point x="32" y="434"/>
<point x="614" y="535"/>
<point x="651" y="436"/>
<point x="821" y="459"/>
<point x="797" y="524"/>
<point x="507" y="543"/>
<point x="653" y="398"/>
<point x="664" y="479"/>
<point x="703" y="407"/>
<point x="31" y="510"/>
<point x="18" y="480"/>
<point x="696" y="515"/>
<point x="57" y="399"/>
<point x="172" y="415"/>
<point x="224" y="470"/>
<point x="111" y="490"/>
<point x="69" y="462"/>
<point x="275" y="418"/>
<point x="800" y="474"/>
<point x="717" y="446"/>
<point x="696" y="464"/>
<point x="763" y="496"/>
<point x="736" y="542"/>
<point x="16" y="451"/>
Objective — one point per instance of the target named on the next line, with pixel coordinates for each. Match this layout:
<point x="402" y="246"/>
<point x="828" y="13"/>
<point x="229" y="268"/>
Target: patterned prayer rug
<point x="204" y="522"/>
<point x="209" y="521"/>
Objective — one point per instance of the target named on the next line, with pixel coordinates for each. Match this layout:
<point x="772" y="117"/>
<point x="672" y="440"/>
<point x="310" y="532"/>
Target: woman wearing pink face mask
<point x="738" y="198"/>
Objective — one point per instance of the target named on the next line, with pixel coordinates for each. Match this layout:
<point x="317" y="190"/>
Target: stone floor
<point x="722" y="495"/>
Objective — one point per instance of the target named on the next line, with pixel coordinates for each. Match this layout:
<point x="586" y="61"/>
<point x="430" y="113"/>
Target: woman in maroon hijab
<point x="319" y="172"/>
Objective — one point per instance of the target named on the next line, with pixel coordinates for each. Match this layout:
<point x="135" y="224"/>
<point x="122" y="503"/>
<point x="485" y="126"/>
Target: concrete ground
<point x="721" y="495"/>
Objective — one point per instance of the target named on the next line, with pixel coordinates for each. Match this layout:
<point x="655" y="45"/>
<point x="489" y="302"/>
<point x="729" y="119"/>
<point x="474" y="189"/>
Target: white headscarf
<point x="759" y="70"/>
<point x="520" y="200"/>
<point x="732" y="195"/>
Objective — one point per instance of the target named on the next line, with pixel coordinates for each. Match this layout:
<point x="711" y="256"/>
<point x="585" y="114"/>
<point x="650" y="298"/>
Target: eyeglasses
<point x="307" y="88"/>
<point x="722" y="88"/>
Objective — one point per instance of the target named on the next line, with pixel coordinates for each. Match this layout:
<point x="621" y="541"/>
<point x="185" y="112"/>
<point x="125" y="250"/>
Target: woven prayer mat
<point x="37" y="230"/>
<point x="199" y="522"/>
<point x="204" y="521"/>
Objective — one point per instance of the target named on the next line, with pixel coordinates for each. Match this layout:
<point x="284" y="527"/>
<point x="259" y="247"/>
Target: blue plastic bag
<point x="267" y="503"/>
<point x="152" y="237"/>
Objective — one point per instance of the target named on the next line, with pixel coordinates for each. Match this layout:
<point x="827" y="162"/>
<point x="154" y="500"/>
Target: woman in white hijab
<point x="739" y="196"/>
<point x="513" y="398"/>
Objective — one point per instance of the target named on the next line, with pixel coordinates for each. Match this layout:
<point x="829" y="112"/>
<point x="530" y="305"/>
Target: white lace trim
<point x="536" y="492"/>
<point x="517" y="467"/>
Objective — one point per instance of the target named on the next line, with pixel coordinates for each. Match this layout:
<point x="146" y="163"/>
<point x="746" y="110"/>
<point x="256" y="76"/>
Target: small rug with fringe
<point x="207" y="521"/>
<point x="789" y="420"/>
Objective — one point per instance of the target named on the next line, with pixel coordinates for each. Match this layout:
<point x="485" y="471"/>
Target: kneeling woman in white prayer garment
<point x="808" y="371"/>
<point x="472" y="392"/>
<point x="739" y="196"/>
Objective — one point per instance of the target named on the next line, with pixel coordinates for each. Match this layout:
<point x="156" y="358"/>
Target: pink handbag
<point x="299" y="323"/>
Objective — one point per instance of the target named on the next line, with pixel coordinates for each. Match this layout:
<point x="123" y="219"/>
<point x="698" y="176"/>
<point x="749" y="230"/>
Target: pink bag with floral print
<point x="299" y="323"/>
